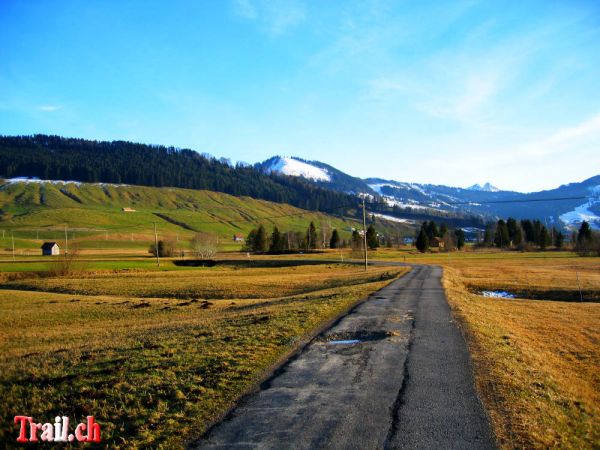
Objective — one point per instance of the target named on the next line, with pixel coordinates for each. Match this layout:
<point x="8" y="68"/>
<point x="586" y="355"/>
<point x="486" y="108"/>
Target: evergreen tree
<point x="537" y="231"/>
<point x="514" y="231"/>
<point x="559" y="239"/>
<point x="357" y="241"/>
<point x="544" y="238"/>
<point x="501" y="238"/>
<point x="459" y="235"/>
<point x="443" y="230"/>
<point x="335" y="239"/>
<point x="488" y="237"/>
<point x="372" y="241"/>
<point x="422" y="241"/>
<point x="276" y="241"/>
<point x="261" y="243"/>
<point x="311" y="236"/>
<point x="585" y="233"/>
<point x="431" y="230"/>
<point x="527" y="226"/>
<point x="250" y="242"/>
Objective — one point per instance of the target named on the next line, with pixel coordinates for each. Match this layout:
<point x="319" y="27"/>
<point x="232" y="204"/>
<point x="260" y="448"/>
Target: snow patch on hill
<point x="392" y="218"/>
<point x="583" y="213"/>
<point x="296" y="168"/>
<point x="36" y="180"/>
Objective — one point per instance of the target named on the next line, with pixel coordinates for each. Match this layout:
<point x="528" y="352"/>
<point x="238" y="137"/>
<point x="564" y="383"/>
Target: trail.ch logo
<point x="58" y="431"/>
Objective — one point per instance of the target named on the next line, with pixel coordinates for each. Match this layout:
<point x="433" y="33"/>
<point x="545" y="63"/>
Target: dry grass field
<point x="203" y="283"/>
<point x="157" y="370"/>
<point x="537" y="366"/>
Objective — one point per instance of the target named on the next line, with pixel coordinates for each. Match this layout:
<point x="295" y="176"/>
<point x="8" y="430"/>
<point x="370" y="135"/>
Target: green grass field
<point x="92" y="214"/>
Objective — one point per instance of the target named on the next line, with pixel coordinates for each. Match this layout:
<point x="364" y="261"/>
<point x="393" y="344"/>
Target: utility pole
<point x="66" y="242"/>
<point x="13" y="243"/>
<point x="156" y="245"/>
<point x="365" y="232"/>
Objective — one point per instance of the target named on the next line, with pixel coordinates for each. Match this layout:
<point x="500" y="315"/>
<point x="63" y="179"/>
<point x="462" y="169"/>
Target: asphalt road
<point x="399" y="378"/>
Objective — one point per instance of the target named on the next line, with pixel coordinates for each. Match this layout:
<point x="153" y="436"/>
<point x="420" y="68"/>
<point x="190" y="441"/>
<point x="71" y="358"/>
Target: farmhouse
<point x="50" y="249"/>
<point x="238" y="238"/>
<point x="126" y="209"/>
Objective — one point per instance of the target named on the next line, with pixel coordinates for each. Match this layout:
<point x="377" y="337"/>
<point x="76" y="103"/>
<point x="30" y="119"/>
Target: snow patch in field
<point x="295" y="168"/>
<point x="498" y="294"/>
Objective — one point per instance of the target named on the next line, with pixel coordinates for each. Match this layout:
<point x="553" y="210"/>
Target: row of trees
<point x="522" y="235"/>
<point x="259" y="241"/>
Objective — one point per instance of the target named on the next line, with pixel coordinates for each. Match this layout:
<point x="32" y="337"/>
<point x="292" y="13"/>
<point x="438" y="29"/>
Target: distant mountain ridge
<point x="311" y="185"/>
<point x="567" y="205"/>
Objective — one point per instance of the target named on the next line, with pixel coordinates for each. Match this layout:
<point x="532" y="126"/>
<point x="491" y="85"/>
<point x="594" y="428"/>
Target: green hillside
<point x="35" y="211"/>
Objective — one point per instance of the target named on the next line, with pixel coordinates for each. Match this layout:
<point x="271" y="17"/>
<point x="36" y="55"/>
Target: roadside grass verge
<point x="537" y="363"/>
<point x="156" y="372"/>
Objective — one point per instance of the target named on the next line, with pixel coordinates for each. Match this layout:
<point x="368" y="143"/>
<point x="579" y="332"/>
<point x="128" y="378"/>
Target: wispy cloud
<point x="275" y="17"/>
<point x="565" y="139"/>
<point x="48" y="108"/>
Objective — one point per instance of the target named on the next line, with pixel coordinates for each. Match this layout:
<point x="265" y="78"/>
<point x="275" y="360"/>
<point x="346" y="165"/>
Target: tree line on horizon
<point x="120" y="162"/>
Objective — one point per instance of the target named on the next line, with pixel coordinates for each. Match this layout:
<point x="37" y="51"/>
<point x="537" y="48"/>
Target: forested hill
<point x="59" y="158"/>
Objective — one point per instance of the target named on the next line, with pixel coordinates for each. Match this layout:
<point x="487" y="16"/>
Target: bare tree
<point x="325" y="234"/>
<point x="204" y="245"/>
<point x="67" y="263"/>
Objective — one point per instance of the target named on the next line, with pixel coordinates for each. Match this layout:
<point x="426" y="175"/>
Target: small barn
<point x="50" y="249"/>
<point x="238" y="238"/>
<point x="437" y="242"/>
<point x="127" y="209"/>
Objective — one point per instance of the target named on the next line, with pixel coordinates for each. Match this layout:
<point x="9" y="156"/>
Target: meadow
<point x="157" y="366"/>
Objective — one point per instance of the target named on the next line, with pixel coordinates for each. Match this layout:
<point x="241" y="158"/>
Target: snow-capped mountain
<point x="487" y="187"/>
<point x="296" y="168"/>
<point x="567" y="205"/>
<point x="322" y="174"/>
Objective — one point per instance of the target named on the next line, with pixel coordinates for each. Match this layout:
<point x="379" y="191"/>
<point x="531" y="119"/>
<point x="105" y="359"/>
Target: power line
<point x="548" y="199"/>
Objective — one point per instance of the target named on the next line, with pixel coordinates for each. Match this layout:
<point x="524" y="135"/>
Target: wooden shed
<point x="50" y="249"/>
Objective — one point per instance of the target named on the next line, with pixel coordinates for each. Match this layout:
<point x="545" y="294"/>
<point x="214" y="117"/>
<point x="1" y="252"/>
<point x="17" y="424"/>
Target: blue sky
<point x="453" y="92"/>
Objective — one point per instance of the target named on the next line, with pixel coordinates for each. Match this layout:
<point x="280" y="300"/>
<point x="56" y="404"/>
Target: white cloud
<point x="586" y="133"/>
<point x="48" y="108"/>
<point x="275" y="17"/>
